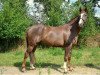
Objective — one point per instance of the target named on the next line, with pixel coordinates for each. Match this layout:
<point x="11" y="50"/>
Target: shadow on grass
<point x="40" y="65"/>
<point x="19" y="64"/>
<point x="90" y="65"/>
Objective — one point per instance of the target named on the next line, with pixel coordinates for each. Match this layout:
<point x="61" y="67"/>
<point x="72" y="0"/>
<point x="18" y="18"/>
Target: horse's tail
<point x="27" y="40"/>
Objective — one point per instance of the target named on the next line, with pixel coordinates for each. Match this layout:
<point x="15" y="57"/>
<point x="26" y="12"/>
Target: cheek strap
<point x="82" y="20"/>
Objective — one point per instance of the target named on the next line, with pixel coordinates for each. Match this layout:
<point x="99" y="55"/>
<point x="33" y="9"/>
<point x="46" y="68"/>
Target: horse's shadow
<point x="51" y="65"/>
<point x="90" y="65"/>
<point x="40" y="65"/>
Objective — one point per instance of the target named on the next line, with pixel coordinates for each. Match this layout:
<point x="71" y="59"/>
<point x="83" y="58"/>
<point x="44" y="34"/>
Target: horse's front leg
<point x="67" y="58"/>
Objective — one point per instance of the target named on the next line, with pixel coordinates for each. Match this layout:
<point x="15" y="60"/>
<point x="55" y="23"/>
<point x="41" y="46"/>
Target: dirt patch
<point x="93" y="41"/>
<point x="49" y="71"/>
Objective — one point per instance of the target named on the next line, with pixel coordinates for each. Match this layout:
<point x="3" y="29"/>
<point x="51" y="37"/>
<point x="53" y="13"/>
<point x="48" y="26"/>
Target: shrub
<point x="13" y="21"/>
<point x="90" y="28"/>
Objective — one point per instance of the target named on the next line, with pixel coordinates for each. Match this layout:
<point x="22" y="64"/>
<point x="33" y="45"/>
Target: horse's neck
<point x="74" y="21"/>
<point x="74" y="25"/>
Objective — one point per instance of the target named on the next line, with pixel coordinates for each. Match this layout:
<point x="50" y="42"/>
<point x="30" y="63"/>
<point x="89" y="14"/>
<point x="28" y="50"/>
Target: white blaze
<point x="81" y="21"/>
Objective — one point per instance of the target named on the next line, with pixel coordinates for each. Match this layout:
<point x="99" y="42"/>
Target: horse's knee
<point x="65" y="58"/>
<point x="31" y="48"/>
<point x="26" y="55"/>
<point x="69" y="58"/>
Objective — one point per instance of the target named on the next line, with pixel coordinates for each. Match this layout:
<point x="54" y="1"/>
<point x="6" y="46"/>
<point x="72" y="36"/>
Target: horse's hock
<point x="93" y="41"/>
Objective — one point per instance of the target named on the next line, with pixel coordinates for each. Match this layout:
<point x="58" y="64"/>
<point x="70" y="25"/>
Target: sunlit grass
<point x="53" y="57"/>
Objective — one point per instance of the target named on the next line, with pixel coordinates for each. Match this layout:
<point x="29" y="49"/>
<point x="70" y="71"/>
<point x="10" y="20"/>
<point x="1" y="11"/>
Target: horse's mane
<point x="73" y="20"/>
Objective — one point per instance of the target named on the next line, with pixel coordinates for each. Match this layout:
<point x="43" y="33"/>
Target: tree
<point x="58" y="12"/>
<point x="52" y="9"/>
<point x="13" y="20"/>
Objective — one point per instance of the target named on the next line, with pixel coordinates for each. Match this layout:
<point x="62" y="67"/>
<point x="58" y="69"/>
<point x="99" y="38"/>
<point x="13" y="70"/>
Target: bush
<point x="53" y="12"/>
<point x="13" y="21"/>
<point x="90" y="28"/>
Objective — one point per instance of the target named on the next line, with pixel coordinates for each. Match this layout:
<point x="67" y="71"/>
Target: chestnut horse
<point x="61" y="36"/>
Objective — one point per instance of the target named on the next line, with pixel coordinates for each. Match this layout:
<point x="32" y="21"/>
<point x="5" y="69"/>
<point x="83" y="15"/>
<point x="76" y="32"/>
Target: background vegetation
<point x="13" y="22"/>
<point x="15" y="19"/>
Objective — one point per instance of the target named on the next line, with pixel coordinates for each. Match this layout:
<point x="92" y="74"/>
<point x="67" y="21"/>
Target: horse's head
<point x="83" y="16"/>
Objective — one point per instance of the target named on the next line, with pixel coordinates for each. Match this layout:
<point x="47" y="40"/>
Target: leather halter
<point x="82" y="20"/>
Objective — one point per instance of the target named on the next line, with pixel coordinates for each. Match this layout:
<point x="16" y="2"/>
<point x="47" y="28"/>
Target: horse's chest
<point x="66" y="36"/>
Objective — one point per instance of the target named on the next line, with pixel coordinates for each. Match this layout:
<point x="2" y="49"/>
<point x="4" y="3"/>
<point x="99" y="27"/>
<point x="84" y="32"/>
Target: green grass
<point x="53" y="57"/>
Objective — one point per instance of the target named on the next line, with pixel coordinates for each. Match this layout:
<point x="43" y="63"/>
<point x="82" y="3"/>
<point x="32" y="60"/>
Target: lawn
<point x="53" y="57"/>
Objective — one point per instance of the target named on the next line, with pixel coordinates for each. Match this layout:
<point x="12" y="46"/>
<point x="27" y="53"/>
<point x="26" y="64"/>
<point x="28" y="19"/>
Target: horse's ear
<point x="86" y="9"/>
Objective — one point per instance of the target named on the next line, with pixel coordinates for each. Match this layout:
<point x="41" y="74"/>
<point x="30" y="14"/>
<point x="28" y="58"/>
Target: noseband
<point x="82" y="19"/>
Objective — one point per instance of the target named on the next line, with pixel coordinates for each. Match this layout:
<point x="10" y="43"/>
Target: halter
<point x="82" y="20"/>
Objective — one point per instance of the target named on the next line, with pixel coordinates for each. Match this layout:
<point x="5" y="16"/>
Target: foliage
<point x="58" y="12"/>
<point x="98" y="24"/>
<point x="53" y="12"/>
<point x="13" y="20"/>
<point x="90" y="28"/>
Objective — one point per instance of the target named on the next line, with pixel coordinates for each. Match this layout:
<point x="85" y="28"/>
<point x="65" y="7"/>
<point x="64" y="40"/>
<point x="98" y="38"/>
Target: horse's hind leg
<point x="28" y="51"/>
<point x="24" y="61"/>
<point x="32" y="58"/>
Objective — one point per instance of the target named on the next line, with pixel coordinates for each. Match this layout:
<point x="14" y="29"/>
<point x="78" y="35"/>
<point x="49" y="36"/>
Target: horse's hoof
<point x="23" y="69"/>
<point x="71" y="69"/>
<point x="32" y="68"/>
<point x="65" y="71"/>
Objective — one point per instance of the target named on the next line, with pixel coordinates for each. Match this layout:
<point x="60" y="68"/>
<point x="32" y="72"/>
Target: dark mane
<point x="72" y="21"/>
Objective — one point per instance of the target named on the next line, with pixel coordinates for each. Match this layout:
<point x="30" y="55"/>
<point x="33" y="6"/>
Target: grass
<point x="53" y="57"/>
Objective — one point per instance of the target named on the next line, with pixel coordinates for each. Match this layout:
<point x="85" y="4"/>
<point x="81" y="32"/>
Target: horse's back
<point x="55" y="36"/>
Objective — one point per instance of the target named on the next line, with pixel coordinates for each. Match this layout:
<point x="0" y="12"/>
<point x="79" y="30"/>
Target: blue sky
<point x="72" y="1"/>
<point x="97" y="12"/>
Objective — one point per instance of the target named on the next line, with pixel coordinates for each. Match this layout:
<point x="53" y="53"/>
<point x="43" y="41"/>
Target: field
<point x="49" y="57"/>
<point x="49" y="61"/>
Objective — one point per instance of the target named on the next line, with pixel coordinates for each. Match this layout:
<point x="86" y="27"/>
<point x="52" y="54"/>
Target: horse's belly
<point x="51" y="42"/>
<point x="53" y="39"/>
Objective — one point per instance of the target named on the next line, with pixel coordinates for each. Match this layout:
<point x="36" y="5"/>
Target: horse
<point x="60" y="36"/>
